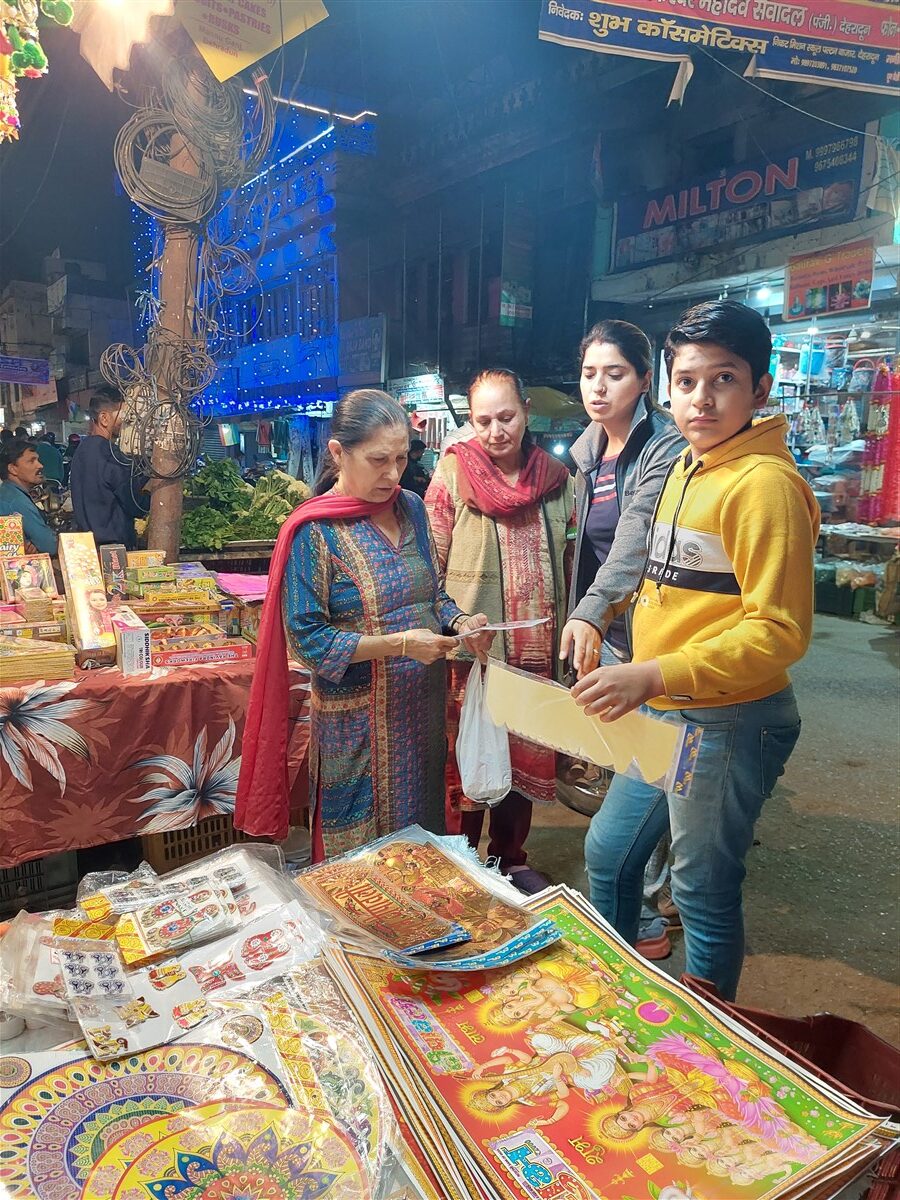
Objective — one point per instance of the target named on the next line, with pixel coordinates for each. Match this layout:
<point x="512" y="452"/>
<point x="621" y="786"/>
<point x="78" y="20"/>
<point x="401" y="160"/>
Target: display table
<point x="101" y="758"/>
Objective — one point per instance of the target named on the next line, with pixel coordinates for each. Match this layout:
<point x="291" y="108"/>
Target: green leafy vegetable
<point x="205" y="528"/>
<point x="220" y="484"/>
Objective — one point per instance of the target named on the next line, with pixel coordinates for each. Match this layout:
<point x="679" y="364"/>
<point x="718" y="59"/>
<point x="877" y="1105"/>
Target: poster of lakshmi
<point x="580" y="1069"/>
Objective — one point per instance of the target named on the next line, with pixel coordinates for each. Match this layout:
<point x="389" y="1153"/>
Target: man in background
<point x="20" y="471"/>
<point x="51" y="457"/>
<point x="415" y="478"/>
<point x="107" y="490"/>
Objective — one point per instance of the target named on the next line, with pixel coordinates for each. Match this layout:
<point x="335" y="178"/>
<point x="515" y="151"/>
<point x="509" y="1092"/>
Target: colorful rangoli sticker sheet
<point x="105" y="1176"/>
<point x="582" y="1069"/>
<point x="182" y="919"/>
<point x="266" y="1152"/>
<point x="60" y="1109"/>
<point x="259" y="950"/>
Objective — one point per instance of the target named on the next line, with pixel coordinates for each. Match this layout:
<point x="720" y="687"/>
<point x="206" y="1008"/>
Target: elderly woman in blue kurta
<point x="364" y="610"/>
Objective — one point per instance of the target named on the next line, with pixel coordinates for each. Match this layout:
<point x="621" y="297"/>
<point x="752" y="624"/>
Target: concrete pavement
<point x="822" y="897"/>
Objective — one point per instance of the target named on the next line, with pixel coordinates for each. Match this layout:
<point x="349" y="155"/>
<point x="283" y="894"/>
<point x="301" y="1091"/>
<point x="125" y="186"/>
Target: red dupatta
<point x="262" y="806"/>
<point x="483" y="488"/>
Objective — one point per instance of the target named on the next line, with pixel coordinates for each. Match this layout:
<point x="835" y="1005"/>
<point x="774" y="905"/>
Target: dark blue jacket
<point x="107" y="492"/>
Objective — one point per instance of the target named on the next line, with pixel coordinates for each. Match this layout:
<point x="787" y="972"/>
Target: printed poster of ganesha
<point x="579" y="1073"/>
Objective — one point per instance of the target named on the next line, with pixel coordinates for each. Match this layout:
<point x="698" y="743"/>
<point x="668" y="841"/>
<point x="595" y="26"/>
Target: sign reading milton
<point x="803" y="188"/>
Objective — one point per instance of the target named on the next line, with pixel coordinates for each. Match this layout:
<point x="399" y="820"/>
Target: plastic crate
<point x="40" y="884"/>
<point x="833" y="599"/>
<point x="166" y="851"/>
<point x="863" y="600"/>
<point x="839" y="1051"/>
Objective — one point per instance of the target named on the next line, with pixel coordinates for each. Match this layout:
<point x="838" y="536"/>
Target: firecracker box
<point x="160" y="574"/>
<point x="113" y="565"/>
<point x="168" y="592"/>
<point x="12" y="539"/>
<point x="26" y="571"/>
<point x="45" y="631"/>
<point x="194" y="570"/>
<point x="34" y="604"/>
<point x="132" y="642"/>
<point x="187" y="652"/>
<point x="145" y="558"/>
<point x="163" y="618"/>
<point x="87" y="606"/>
<point x="97" y="657"/>
<point x="250" y="615"/>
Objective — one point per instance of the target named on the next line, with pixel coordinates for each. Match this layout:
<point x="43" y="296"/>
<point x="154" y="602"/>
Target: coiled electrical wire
<point x="152" y="135"/>
<point x="209" y="114"/>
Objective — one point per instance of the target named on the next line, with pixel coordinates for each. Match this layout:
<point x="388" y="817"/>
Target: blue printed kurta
<point x="377" y="745"/>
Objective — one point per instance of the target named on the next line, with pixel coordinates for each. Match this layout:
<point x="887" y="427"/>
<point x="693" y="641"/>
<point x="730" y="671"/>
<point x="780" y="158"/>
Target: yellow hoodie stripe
<point x="726" y="604"/>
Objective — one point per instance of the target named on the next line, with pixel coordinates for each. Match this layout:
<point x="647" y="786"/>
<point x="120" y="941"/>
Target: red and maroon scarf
<point x="483" y="488"/>
<point x="262" y="805"/>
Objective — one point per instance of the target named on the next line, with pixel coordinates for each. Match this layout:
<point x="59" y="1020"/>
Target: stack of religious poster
<point x="423" y="905"/>
<point x="582" y="1071"/>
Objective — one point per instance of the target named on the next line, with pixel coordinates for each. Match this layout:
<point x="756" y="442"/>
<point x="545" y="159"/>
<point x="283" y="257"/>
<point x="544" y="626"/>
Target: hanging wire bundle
<point x="190" y="120"/>
<point x="157" y="416"/>
<point x="144" y="151"/>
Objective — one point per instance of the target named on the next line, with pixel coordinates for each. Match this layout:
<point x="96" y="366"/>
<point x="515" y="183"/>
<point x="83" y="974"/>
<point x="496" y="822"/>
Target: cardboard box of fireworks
<point x="196" y="644"/>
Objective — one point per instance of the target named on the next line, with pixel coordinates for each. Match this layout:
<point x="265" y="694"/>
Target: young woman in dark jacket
<point x="623" y="458"/>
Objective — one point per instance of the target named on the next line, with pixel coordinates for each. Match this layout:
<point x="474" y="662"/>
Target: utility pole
<point x="177" y="284"/>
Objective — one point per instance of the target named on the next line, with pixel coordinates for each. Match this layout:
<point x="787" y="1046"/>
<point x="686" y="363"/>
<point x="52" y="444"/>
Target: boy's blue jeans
<point x="742" y="753"/>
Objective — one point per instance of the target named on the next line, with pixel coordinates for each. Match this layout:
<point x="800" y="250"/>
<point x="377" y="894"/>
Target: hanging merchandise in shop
<point x="21" y="53"/>
<point x="806" y="187"/>
<point x="846" y="43"/>
<point x="829" y="281"/>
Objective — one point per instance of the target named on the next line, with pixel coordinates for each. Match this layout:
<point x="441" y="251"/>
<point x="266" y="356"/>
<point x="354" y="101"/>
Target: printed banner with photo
<point x="838" y="280"/>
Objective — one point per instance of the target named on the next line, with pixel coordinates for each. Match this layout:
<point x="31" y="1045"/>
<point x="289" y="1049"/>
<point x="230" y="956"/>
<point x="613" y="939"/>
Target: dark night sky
<point x="64" y="197"/>
<point x="399" y="57"/>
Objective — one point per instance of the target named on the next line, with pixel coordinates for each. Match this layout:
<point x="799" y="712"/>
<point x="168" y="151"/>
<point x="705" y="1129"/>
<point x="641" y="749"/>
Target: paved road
<point x="822" y="896"/>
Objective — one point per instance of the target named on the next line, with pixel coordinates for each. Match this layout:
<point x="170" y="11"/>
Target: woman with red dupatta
<point x="502" y="513"/>
<point x="354" y="592"/>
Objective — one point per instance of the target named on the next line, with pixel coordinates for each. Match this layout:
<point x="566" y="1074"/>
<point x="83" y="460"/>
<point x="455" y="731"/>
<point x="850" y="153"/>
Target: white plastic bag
<point x="482" y="748"/>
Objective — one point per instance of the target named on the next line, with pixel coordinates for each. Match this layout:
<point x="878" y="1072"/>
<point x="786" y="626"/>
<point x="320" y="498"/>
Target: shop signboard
<point x="790" y="192"/>
<point x="417" y="391"/>
<point x="829" y="281"/>
<point x="841" y="43"/>
<point x="24" y="370"/>
<point x="233" y="34"/>
<point x="362" y="345"/>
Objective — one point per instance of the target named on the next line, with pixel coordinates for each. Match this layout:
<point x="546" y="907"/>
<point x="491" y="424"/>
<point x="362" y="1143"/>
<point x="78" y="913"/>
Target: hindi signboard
<point x="24" y="370"/>
<point x="842" y="43"/>
<point x="413" y="391"/>
<point x="362" y="347"/>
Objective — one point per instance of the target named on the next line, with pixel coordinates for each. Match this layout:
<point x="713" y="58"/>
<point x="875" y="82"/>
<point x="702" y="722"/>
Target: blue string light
<point x="287" y="338"/>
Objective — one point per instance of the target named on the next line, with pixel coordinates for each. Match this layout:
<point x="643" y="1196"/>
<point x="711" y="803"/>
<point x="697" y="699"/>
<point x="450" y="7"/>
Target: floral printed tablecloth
<point x="101" y="757"/>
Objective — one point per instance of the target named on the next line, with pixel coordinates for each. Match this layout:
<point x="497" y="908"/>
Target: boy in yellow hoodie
<point x="724" y="608"/>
